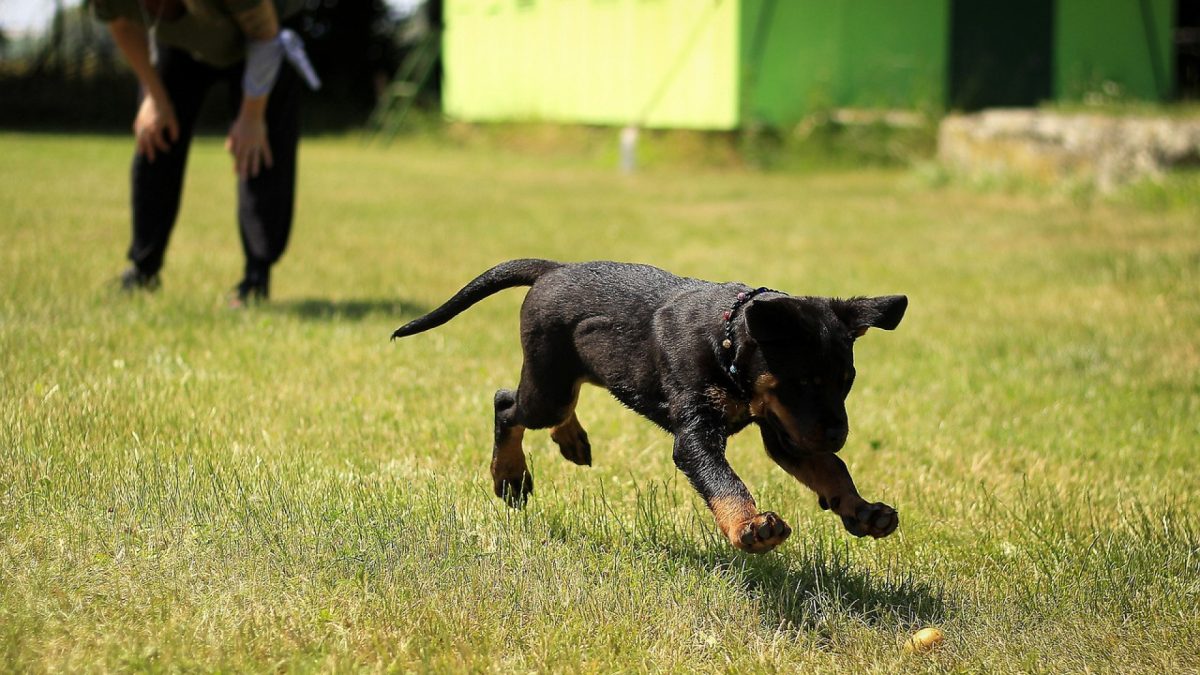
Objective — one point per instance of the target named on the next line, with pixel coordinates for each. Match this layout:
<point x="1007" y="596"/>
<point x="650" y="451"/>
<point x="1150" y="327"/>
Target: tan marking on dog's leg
<point x="746" y="528"/>
<point x="731" y="514"/>
<point x="827" y="475"/>
<point x="568" y="431"/>
<point x="509" y="471"/>
<point x="572" y="440"/>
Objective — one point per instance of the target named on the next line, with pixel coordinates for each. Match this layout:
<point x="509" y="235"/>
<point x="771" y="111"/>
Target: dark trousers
<point x="265" y="201"/>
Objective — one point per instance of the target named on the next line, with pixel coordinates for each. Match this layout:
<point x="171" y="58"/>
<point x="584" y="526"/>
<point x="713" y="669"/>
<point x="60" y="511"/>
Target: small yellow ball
<point x="924" y="640"/>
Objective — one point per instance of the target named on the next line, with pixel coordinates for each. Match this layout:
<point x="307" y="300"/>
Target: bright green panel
<point x="804" y="55"/>
<point x="657" y="63"/>
<point x="1123" y="42"/>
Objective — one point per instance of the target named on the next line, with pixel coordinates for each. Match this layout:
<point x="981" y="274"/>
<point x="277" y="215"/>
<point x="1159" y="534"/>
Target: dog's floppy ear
<point x="776" y="319"/>
<point x="859" y="314"/>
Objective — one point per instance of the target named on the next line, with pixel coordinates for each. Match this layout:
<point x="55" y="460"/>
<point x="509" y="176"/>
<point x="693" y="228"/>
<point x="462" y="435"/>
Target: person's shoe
<point x="248" y="293"/>
<point x="134" y="280"/>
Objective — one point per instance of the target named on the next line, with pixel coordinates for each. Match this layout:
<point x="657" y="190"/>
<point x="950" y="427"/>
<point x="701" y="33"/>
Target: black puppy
<point x="699" y="359"/>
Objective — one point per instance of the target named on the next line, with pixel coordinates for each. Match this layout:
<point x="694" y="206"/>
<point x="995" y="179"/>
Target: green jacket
<point x="207" y="30"/>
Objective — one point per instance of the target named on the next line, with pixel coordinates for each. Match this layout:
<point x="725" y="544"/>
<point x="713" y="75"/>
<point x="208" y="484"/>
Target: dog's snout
<point x="835" y="438"/>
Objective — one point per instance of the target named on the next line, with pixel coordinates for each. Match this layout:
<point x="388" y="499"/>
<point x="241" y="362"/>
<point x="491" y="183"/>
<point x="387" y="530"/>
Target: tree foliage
<point x="353" y="45"/>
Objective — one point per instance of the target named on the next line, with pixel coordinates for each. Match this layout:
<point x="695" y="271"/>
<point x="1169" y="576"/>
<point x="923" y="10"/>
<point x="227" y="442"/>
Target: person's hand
<point x="155" y="127"/>
<point x="247" y="142"/>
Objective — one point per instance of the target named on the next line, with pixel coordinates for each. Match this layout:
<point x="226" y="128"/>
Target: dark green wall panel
<point x="1115" y="49"/>
<point x="805" y="55"/>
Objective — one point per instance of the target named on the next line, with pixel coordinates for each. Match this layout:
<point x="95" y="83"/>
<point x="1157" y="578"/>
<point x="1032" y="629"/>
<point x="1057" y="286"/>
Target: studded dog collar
<point x="728" y="352"/>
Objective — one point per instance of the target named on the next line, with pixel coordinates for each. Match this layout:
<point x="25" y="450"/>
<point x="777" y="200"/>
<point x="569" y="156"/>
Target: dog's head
<point x="807" y="349"/>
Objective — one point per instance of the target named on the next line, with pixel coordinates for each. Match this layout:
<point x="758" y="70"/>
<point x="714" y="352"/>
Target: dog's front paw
<point x="878" y="520"/>
<point x="514" y="491"/>
<point x="761" y="533"/>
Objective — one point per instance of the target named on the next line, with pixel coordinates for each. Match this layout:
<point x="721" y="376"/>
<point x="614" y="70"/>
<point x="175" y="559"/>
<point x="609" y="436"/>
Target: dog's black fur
<point x="657" y="342"/>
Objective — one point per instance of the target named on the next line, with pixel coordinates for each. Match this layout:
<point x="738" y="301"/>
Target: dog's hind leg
<point x="510" y="476"/>
<point x="543" y="399"/>
<point x="572" y="440"/>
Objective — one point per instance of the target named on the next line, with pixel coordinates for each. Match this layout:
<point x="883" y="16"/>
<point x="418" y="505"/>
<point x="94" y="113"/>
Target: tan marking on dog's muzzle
<point x="764" y="387"/>
<point x="764" y="404"/>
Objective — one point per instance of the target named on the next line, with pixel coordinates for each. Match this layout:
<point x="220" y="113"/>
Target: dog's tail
<point x="521" y="272"/>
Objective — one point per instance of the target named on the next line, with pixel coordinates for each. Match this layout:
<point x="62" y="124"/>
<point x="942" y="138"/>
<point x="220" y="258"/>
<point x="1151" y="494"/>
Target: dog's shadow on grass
<point x="811" y="585"/>
<point x="811" y="589"/>
<point x="357" y="309"/>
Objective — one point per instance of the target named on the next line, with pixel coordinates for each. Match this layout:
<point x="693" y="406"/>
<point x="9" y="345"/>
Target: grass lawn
<point x="186" y="487"/>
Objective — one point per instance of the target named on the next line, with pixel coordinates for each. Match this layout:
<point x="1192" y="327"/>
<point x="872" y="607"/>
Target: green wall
<point x="1107" y="40"/>
<point x="803" y="55"/>
<point x="799" y="56"/>
<point x="656" y="63"/>
<point x="720" y="64"/>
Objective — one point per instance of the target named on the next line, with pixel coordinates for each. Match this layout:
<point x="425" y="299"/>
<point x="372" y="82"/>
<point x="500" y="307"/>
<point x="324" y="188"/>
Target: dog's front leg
<point x="700" y="455"/>
<point x="826" y="474"/>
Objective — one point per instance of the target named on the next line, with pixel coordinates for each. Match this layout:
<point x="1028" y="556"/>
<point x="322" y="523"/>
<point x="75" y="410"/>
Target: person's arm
<point x="247" y="140"/>
<point x="155" y="122"/>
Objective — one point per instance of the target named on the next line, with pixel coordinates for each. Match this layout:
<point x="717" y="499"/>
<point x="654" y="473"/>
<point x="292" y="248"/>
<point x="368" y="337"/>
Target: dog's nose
<point x="834" y="435"/>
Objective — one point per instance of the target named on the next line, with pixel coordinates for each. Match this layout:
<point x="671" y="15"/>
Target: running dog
<point x="699" y="359"/>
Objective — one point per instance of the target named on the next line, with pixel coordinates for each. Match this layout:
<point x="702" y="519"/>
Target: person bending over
<point x="179" y="49"/>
